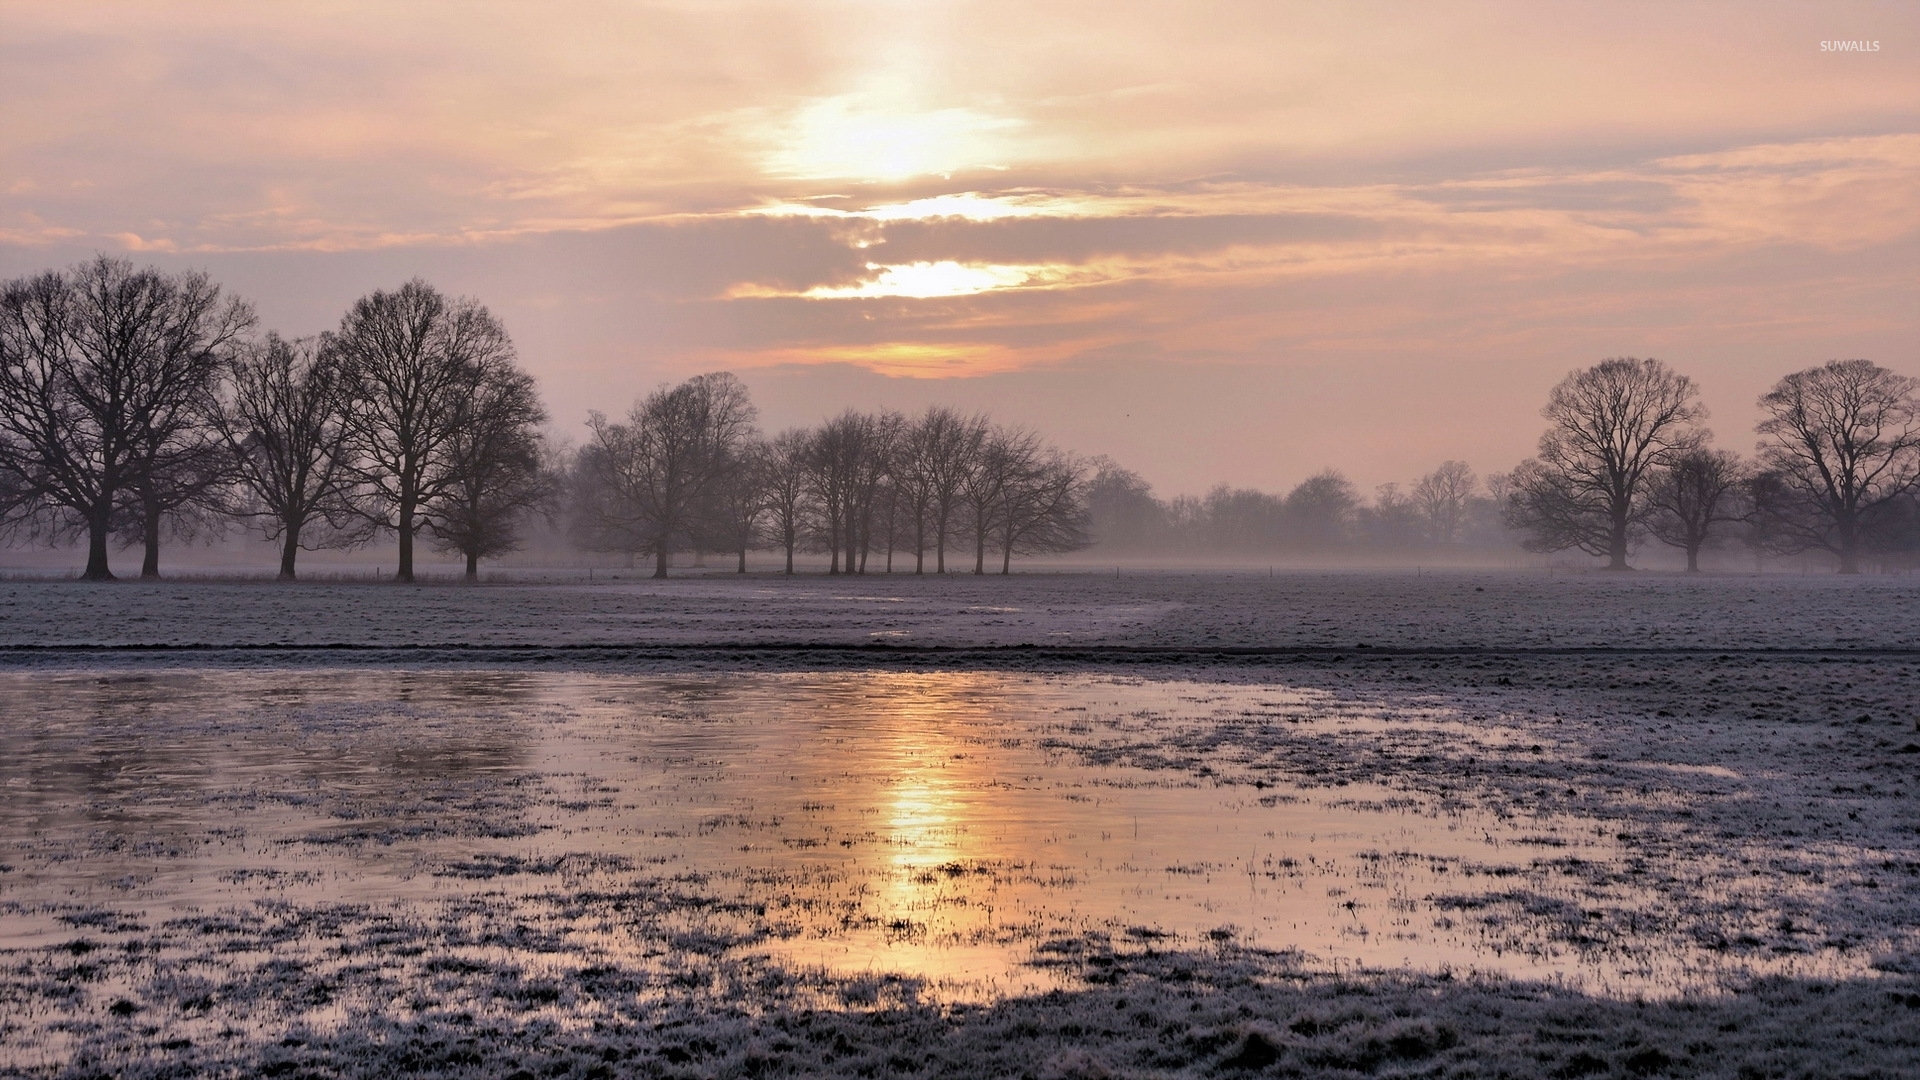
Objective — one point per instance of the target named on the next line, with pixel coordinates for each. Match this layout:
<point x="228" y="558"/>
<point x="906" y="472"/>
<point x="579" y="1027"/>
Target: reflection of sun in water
<point x="925" y="807"/>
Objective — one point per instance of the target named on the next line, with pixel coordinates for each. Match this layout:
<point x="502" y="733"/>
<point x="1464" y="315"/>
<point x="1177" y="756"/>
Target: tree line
<point x="1626" y="456"/>
<point x="136" y="404"/>
<point x="1625" y="459"/>
<point x="686" y="469"/>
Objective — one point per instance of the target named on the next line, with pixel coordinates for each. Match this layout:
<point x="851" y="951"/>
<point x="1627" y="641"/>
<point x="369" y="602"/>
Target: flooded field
<point x="473" y="869"/>
<point x="970" y="834"/>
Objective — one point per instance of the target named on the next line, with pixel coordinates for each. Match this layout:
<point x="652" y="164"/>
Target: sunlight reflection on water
<point x="951" y="826"/>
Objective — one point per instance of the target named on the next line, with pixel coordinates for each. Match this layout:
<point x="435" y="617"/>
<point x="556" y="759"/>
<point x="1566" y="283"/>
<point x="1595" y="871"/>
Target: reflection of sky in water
<point x="929" y="823"/>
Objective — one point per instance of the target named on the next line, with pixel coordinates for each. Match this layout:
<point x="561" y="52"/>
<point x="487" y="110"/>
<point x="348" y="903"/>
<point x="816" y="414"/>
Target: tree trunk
<point x="405" y="574"/>
<point x="1849" y="549"/>
<point x="1693" y="558"/>
<point x="743" y="558"/>
<point x="473" y="567"/>
<point x="789" y="556"/>
<point x="1006" y="559"/>
<point x="150" y="538"/>
<point x="979" y="547"/>
<point x="97" y="529"/>
<point x="289" y="547"/>
<point x="662" y="555"/>
<point x="1617" y="547"/>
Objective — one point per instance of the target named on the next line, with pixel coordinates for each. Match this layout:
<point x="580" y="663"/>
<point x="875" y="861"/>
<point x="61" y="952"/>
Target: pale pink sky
<point x="1226" y="241"/>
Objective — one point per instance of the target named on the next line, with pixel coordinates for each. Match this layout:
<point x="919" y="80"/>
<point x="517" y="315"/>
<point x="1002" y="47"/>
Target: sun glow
<point x="876" y="136"/>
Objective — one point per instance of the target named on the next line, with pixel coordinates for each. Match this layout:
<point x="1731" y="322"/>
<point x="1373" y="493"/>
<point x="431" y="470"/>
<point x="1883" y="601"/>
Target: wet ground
<point x="722" y="861"/>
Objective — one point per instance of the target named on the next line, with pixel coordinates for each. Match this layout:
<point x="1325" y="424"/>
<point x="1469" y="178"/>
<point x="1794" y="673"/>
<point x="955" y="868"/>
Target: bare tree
<point x="913" y="490"/>
<point x="785" y="485"/>
<point x="1122" y="510"/>
<point x="1691" y="494"/>
<point x="1044" y="511"/>
<point x="650" y="476"/>
<point x="408" y="365"/>
<point x="497" y="472"/>
<point x="1320" y="510"/>
<point x="872" y="476"/>
<point x="1845" y="438"/>
<point x="1006" y="458"/>
<point x="738" y="503"/>
<point x="847" y="467"/>
<point x="1395" y="521"/>
<point x="1442" y="497"/>
<point x="104" y="378"/>
<point x="1609" y="427"/>
<point x="945" y="446"/>
<point x="282" y="424"/>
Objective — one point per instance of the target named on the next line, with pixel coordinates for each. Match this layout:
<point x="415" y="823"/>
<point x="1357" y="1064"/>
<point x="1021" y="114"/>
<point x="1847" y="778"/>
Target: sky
<point x="1219" y="242"/>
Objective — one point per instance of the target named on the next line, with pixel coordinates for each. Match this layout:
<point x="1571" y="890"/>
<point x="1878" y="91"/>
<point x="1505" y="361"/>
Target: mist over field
<point x="873" y="538"/>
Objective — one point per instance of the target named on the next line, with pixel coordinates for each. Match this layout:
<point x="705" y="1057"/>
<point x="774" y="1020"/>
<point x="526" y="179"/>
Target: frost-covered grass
<point x="1457" y="609"/>
<point x="1211" y="1013"/>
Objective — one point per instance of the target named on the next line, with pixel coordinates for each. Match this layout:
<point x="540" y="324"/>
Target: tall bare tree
<point x="105" y="378"/>
<point x="945" y="445"/>
<point x="651" y="475"/>
<point x="1007" y="456"/>
<point x="1045" y="508"/>
<point x="1692" y="494"/>
<point x="841" y="448"/>
<point x="872" y="476"/>
<point x="496" y="465"/>
<point x="281" y="421"/>
<point x="408" y="363"/>
<point x="1609" y="427"/>
<point x="784" y="483"/>
<point x="1442" y="497"/>
<point x="1845" y="438"/>
<point x="738" y="504"/>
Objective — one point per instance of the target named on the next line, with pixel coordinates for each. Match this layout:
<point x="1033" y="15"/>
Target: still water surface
<point x="951" y="826"/>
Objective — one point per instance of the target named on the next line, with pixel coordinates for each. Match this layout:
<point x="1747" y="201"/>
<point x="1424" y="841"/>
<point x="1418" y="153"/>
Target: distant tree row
<point x="135" y="403"/>
<point x="1449" y="511"/>
<point x="1625" y="456"/>
<point x="688" y="470"/>
<point x="1625" y="459"/>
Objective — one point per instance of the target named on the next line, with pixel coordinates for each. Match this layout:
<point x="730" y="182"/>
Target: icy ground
<point x="1731" y="767"/>
<point x="1339" y="610"/>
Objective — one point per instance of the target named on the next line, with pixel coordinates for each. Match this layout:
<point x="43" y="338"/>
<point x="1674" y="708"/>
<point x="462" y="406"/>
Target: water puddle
<point x="975" y="831"/>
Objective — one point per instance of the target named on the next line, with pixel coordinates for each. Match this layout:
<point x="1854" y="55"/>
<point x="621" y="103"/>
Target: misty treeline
<point x="1626" y="460"/>
<point x="137" y="405"/>
<point x="1448" y="512"/>
<point x="944" y="490"/>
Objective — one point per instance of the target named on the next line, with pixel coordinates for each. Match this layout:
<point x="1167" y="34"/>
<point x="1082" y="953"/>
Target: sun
<point x="880" y="135"/>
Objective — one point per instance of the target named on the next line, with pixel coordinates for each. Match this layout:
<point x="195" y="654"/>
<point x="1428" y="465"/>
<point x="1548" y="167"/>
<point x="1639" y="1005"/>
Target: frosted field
<point x="1340" y="610"/>
<point x="1323" y="825"/>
